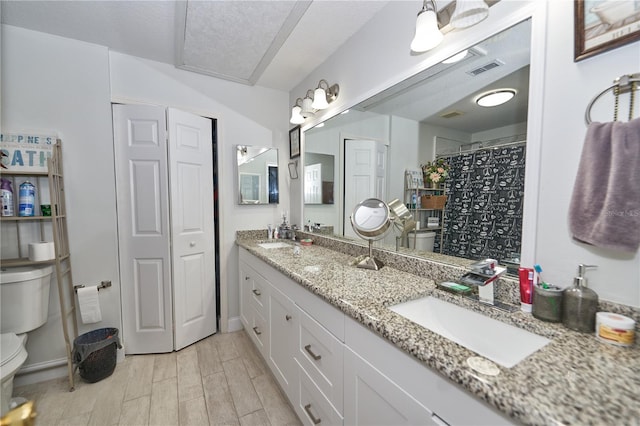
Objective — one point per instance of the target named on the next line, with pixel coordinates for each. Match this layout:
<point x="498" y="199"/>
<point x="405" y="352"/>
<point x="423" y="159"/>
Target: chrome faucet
<point x="482" y="275"/>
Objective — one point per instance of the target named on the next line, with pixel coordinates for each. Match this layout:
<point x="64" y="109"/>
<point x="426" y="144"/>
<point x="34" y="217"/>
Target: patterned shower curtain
<point x="483" y="214"/>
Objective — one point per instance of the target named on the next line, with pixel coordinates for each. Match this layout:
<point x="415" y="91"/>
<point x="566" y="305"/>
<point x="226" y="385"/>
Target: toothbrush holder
<point x="547" y="303"/>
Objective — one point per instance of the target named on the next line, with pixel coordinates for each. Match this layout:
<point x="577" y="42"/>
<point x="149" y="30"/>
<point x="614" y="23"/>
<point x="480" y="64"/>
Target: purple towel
<point x="605" y="206"/>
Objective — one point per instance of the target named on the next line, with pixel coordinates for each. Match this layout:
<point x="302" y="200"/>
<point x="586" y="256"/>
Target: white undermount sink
<point x="502" y="343"/>
<point x="274" y="245"/>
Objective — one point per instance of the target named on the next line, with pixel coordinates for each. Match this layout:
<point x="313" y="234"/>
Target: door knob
<point x="192" y="244"/>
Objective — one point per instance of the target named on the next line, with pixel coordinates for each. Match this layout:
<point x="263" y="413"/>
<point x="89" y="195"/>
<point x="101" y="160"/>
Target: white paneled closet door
<point x="167" y="297"/>
<point x="192" y="227"/>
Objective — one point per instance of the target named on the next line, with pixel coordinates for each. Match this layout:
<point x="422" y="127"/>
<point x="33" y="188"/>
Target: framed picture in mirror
<point x="604" y="25"/>
<point x="294" y="142"/>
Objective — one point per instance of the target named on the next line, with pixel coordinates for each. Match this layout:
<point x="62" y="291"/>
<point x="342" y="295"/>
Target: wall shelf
<point x="57" y="222"/>
<point x="420" y="214"/>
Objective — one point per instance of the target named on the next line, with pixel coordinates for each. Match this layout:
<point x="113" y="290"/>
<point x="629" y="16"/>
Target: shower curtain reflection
<point x="483" y="214"/>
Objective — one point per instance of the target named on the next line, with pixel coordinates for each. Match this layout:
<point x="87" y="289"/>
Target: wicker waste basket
<point x="95" y="353"/>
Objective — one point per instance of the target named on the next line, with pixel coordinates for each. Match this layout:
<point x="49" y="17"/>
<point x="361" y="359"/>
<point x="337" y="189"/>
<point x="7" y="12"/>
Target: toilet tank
<point x="24" y="298"/>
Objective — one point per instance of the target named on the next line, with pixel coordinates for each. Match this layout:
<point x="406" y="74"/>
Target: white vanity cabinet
<point x="334" y="370"/>
<point x="373" y="398"/>
<point x="380" y="377"/>
<point x="253" y="306"/>
<point x="283" y="321"/>
<point x="302" y="343"/>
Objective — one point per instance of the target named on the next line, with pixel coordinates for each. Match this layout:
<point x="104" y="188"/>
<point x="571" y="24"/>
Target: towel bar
<point x="103" y="284"/>
<point x="623" y="84"/>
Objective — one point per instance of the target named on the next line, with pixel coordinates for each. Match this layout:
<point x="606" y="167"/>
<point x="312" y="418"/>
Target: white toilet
<point x="24" y="298"/>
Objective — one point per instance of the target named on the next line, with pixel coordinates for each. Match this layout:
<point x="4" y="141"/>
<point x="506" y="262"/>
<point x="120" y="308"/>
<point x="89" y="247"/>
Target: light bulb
<point x="427" y="34"/>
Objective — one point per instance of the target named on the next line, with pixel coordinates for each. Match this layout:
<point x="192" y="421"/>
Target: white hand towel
<point x="89" y="303"/>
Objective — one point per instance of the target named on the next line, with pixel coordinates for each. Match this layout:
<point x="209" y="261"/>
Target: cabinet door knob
<point x="288" y="317"/>
<point x="257" y="331"/>
<point x="313" y="418"/>
<point x="314" y="356"/>
<point x="256" y="292"/>
<point x="247" y="277"/>
<point x="192" y="244"/>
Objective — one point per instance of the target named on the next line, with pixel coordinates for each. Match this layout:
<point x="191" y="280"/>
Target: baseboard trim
<point x="234" y="324"/>
<point x="41" y="372"/>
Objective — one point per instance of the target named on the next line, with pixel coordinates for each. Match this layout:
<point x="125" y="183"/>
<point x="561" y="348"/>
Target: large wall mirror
<point x="257" y="175"/>
<point x="434" y="115"/>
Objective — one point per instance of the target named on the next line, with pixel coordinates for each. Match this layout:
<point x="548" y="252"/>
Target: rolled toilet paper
<point x="41" y="251"/>
<point x="89" y="304"/>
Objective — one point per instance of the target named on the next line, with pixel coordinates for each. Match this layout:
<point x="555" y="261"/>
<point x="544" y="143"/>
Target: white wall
<point x="60" y="85"/>
<point x="373" y="60"/>
<point x="56" y="84"/>
<point x="568" y="89"/>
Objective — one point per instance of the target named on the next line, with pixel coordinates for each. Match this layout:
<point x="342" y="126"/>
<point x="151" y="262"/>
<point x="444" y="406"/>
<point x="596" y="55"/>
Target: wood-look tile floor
<point x="221" y="380"/>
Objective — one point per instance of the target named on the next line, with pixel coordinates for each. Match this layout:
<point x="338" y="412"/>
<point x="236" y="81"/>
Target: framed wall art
<point x="294" y="142"/>
<point x="602" y="25"/>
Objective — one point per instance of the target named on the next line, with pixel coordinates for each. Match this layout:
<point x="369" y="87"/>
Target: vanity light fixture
<point x="495" y="97"/>
<point x="428" y="33"/>
<point x="323" y="96"/>
<point x="314" y="100"/>
<point x="307" y="108"/>
<point x="296" y="117"/>
<point x="468" y="13"/>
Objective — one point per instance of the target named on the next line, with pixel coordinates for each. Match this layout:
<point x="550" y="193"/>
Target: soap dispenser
<point x="580" y="304"/>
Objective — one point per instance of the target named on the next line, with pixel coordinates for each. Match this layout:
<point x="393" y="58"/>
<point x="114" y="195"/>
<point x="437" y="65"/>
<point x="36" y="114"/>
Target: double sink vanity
<point x="356" y="346"/>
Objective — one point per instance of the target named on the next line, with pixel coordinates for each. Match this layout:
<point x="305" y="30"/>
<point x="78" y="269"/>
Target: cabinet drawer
<point x="259" y="331"/>
<point x="321" y="355"/>
<point x="259" y="294"/>
<point x="312" y="407"/>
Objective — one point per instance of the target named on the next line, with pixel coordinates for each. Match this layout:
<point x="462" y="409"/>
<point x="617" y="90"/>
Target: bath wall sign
<point x="604" y="25"/>
<point x="25" y="152"/>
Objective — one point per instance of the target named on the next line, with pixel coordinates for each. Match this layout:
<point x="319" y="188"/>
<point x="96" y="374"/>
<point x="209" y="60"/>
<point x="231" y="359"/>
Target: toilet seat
<point x="12" y="354"/>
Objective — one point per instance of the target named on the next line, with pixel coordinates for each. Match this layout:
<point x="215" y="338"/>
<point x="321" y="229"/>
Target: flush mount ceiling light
<point x="428" y="33"/>
<point x="468" y="13"/>
<point x="495" y="97"/>
<point x="456" y="58"/>
<point x="314" y="100"/>
<point x="296" y="117"/>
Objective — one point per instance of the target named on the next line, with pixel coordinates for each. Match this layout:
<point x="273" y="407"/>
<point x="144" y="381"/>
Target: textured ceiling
<point x="269" y="43"/>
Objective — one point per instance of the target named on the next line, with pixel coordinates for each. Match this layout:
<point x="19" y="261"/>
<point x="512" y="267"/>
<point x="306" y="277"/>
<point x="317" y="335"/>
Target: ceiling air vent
<point x="491" y="65"/>
<point x="451" y="114"/>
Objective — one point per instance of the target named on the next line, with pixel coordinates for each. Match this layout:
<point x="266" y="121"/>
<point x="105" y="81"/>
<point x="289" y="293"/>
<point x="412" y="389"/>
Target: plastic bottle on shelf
<point x="26" y="199"/>
<point x="7" y="197"/>
<point x="413" y="200"/>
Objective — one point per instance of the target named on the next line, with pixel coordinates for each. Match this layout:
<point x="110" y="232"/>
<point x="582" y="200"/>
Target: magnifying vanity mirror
<point x="433" y="115"/>
<point x="371" y="221"/>
<point x="257" y="175"/>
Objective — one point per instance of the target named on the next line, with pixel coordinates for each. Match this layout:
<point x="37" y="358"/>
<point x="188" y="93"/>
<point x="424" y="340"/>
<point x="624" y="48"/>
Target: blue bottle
<point x="26" y="199"/>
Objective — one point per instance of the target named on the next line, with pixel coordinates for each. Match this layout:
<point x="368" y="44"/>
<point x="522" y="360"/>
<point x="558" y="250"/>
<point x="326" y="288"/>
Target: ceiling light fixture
<point x="468" y="13"/>
<point x="428" y="33"/>
<point x="296" y="117"/>
<point x="495" y="97"/>
<point x="314" y="101"/>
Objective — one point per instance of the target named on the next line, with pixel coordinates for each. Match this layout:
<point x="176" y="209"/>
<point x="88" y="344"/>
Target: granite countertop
<point x="575" y="379"/>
